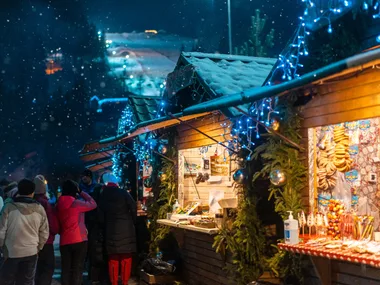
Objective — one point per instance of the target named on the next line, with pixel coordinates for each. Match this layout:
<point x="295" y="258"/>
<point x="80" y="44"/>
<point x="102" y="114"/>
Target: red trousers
<point x="114" y="263"/>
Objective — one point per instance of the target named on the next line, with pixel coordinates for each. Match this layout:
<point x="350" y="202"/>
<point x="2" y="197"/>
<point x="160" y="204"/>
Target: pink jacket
<point x="51" y="215"/>
<point x="71" y="218"/>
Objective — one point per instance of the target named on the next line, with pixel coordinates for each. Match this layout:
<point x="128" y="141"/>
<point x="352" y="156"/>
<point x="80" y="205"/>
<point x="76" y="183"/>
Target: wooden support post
<point x="322" y="266"/>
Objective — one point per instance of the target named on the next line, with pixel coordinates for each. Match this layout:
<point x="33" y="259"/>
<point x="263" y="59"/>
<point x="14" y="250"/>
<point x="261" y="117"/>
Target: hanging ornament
<point x="162" y="149"/>
<point x="275" y="125"/>
<point x="240" y="176"/>
<point x="163" y="177"/>
<point x="148" y="182"/>
<point x="277" y="177"/>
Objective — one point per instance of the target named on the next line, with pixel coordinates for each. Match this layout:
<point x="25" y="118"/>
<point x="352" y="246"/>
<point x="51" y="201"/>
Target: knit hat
<point x="88" y="173"/>
<point x="41" y="184"/>
<point x="70" y="188"/>
<point x="26" y="187"/>
<point x="109" y="177"/>
<point x="10" y="190"/>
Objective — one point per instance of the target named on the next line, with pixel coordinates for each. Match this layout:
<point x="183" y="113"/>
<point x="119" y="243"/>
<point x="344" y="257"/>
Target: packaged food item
<point x="336" y="210"/>
<point x="347" y="226"/>
<point x="363" y="229"/>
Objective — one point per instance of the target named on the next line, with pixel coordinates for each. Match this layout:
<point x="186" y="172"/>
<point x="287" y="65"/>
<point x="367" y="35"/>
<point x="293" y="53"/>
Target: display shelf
<point x="334" y="254"/>
<point x="173" y="224"/>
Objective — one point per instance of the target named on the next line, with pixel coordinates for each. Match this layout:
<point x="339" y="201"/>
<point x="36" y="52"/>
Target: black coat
<point x="119" y="210"/>
<point x="95" y="224"/>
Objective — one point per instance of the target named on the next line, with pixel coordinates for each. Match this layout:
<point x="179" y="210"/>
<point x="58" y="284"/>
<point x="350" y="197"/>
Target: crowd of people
<point x="95" y="223"/>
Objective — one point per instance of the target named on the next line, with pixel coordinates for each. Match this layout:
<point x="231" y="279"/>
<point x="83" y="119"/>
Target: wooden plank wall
<point x="211" y="125"/>
<point x="348" y="273"/>
<point x="191" y="189"/>
<point x="344" y="273"/>
<point x="201" y="264"/>
<point x="342" y="100"/>
<point x="191" y="139"/>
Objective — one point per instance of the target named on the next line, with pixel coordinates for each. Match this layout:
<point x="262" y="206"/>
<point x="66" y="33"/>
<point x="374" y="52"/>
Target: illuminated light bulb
<point x="346" y="3"/>
<point x="378" y="38"/>
<point x="114" y="52"/>
<point x="329" y="30"/>
<point x="376" y="6"/>
<point x="131" y="76"/>
<point x="124" y="66"/>
<point x="365" y="6"/>
<point x="306" y="52"/>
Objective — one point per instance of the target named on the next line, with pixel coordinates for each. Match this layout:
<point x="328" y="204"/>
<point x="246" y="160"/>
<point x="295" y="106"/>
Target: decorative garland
<point x="162" y="200"/>
<point x="245" y="240"/>
<point x="279" y="156"/>
<point x="317" y="14"/>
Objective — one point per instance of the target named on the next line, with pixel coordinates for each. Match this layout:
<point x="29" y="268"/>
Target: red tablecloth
<point x="337" y="254"/>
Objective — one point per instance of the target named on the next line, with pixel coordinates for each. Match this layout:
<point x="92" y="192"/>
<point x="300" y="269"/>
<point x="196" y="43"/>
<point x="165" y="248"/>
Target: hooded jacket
<point x="71" y="218"/>
<point x="51" y="216"/>
<point x="24" y="228"/>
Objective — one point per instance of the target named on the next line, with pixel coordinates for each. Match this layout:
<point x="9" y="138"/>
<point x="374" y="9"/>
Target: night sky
<point x="186" y="17"/>
<point x="45" y="120"/>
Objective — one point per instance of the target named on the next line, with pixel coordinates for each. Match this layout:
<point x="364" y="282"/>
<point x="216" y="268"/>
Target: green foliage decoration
<point x="276" y="153"/>
<point x="257" y="45"/>
<point x="163" y="200"/>
<point x="243" y="243"/>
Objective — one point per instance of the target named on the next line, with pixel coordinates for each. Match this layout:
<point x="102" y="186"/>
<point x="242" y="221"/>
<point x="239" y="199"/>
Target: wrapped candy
<point x="336" y="210"/>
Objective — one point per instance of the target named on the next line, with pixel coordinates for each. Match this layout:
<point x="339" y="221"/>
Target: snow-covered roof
<point x="230" y="74"/>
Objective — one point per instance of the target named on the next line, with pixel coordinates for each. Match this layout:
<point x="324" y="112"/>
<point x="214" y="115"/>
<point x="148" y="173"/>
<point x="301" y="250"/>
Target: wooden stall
<point x="346" y="102"/>
<point x="339" y="104"/>
<point x="205" y="164"/>
<point x="199" y="155"/>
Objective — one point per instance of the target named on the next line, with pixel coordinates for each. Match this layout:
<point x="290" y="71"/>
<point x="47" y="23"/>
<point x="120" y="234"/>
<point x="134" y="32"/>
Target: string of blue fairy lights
<point x="241" y="133"/>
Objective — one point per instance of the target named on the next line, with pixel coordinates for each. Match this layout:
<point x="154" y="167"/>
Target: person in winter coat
<point x="73" y="242"/>
<point x="120" y="213"/>
<point x="97" y="266"/>
<point x="10" y="189"/>
<point x="87" y="182"/>
<point x="46" y="259"/>
<point x="24" y="231"/>
<point x="3" y="184"/>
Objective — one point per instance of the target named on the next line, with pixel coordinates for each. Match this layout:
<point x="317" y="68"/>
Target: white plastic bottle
<point x="175" y="206"/>
<point x="291" y="230"/>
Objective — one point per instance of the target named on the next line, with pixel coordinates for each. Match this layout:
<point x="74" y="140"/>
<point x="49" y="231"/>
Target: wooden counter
<point x="200" y="263"/>
<point x="335" y="266"/>
<point x="173" y="224"/>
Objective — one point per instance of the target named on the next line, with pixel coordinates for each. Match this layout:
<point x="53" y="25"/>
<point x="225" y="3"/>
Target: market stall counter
<point x="201" y="264"/>
<point x="209" y="231"/>
<point x="350" y="263"/>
